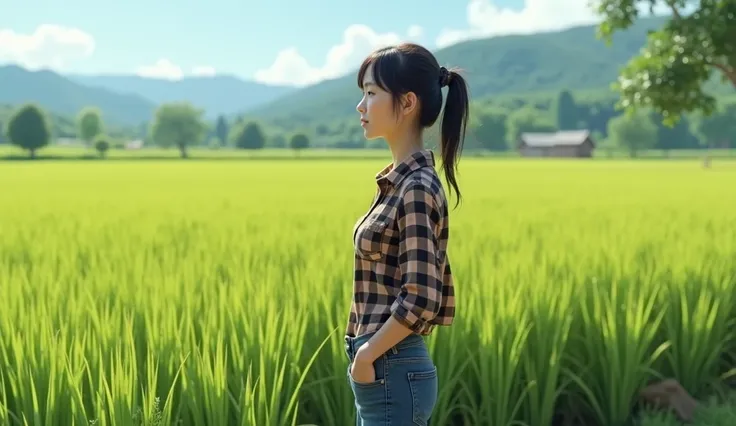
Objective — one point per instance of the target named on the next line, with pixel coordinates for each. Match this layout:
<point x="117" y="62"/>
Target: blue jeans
<point x="405" y="390"/>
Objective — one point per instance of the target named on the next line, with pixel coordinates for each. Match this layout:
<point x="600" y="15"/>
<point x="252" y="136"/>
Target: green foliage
<point x="719" y="129"/>
<point x="102" y="144"/>
<point x="533" y="112"/>
<point x="248" y="135"/>
<point x="89" y="124"/>
<point x="322" y="130"/>
<point x="222" y="129"/>
<point x="178" y="124"/>
<point x="678" y="136"/>
<point x="633" y="131"/>
<point x="29" y="129"/>
<point x="489" y="129"/>
<point x="215" y="142"/>
<point x="528" y="119"/>
<point x="61" y="126"/>
<point x="566" y="110"/>
<point x="670" y="73"/>
<point x="166" y="298"/>
<point x="299" y="141"/>
<point x="277" y="141"/>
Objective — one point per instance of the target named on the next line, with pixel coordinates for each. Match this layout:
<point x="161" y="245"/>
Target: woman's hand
<point x="362" y="370"/>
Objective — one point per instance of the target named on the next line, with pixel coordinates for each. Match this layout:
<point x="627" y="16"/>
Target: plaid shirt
<point x="401" y="264"/>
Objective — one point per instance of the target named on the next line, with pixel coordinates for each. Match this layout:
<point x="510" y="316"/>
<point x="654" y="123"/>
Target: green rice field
<point x="216" y="293"/>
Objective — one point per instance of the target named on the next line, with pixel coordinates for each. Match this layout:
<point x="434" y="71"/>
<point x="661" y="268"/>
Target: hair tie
<point x="445" y="77"/>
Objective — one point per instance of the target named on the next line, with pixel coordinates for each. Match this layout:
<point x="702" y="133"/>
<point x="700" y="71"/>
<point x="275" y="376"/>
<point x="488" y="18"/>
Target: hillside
<point x="216" y="95"/>
<point x="62" y="96"/>
<point x="546" y="62"/>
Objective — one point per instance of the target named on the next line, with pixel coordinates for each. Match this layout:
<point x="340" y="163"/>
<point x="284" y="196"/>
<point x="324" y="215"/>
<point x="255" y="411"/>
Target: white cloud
<point x="49" y="46"/>
<point x="290" y="67"/>
<point x="165" y="69"/>
<point x="485" y="19"/>
<point x="204" y="71"/>
<point x="162" y="69"/>
<point x="54" y="47"/>
<point x="415" y="32"/>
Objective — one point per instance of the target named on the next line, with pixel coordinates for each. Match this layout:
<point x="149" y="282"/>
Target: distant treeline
<point x="495" y="125"/>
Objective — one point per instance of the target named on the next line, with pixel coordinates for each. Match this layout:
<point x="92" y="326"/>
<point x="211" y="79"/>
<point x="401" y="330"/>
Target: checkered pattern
<point x="401" y="263"/>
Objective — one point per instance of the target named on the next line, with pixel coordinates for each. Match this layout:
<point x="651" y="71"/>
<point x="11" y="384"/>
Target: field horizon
<point x="77" y="152"/>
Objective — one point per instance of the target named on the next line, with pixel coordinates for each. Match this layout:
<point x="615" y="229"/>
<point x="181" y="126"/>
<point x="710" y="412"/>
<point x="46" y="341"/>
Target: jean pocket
<point x="370" y="398"/>
<point x="424" y="388"/>
<point x="376" y="383"/>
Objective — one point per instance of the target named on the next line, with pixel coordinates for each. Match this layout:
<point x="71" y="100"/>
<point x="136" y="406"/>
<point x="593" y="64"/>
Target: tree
<point x="322" y="130"/>
<point x="566" y="110"/>
<point x="215" y="143"/>
<point x="222" y="130"/>
<point x="595" y="115"/>
<point x="633" y="131"/>
<point x="89" y="124"/>
<point x="678" y="136"/>
<point x="277" y="141"/>
<point x="249" y="136"/>
<point x="490" y="130"/>
<point x="528" y="119"/>
<point x="719" y="129"/>
<point x="669" y="74"/>
<point x="29" y="129"/>
<point x="102" y="144"/>
<point x="178" y="124"/>
<point x="298" y="142"/>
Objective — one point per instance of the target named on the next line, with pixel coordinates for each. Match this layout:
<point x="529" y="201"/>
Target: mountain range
<point x="573" y="59"/>
<point x="130" y="99"/>
<point x="62" y="96"/>
<point x="221" y="94"/>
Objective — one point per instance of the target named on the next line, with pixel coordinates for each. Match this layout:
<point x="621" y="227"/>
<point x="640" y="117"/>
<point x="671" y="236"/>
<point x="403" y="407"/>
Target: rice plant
<point x="216" y="293"/>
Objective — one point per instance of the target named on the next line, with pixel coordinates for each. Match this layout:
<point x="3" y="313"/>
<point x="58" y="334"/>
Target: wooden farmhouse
<point x="568" y="143"/>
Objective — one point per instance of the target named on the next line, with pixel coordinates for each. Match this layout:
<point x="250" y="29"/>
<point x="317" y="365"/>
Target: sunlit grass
<point x="214" y="293"/>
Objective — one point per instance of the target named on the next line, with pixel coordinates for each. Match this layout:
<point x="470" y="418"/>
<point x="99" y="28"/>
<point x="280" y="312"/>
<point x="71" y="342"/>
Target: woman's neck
<point x="404" y="147"/>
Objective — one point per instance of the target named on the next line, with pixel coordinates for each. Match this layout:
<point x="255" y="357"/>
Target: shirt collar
<point x="416" y="161"/>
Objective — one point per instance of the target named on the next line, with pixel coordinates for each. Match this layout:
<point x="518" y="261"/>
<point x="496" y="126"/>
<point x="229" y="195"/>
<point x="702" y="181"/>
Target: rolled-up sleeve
<point x="421" y="277"/>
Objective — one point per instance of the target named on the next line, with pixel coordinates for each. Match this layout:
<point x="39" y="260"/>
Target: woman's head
<point x="402" y="94"/>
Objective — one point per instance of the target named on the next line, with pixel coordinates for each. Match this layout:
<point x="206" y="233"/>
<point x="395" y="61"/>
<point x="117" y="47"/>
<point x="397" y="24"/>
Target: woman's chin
<point x="369" y="135"/>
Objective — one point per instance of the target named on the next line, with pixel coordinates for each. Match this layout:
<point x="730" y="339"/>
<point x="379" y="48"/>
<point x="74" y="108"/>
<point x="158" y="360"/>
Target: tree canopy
<point x="670" y="73"/>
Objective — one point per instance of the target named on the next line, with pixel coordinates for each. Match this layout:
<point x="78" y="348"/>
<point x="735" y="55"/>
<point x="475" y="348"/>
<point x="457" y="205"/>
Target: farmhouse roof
<point x="561" y="138"/>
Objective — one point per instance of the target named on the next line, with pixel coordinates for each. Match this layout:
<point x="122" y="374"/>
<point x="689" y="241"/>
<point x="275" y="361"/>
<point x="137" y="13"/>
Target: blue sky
<point x="279" y="41"/>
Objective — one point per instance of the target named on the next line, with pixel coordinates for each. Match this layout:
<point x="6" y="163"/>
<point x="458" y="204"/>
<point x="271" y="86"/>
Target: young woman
<point x="403" y="286"/>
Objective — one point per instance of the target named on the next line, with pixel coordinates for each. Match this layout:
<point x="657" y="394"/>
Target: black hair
<point x="409" y="67"/>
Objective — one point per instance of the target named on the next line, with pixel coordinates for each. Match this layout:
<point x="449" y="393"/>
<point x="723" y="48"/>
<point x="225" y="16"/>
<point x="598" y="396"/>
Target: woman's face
<point x="377" y="115"/>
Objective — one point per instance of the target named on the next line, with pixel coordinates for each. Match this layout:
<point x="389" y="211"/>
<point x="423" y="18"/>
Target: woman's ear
<point x="409" y="103"/>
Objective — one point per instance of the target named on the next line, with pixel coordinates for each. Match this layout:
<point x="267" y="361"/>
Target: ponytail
<point x="454" y="123"/>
